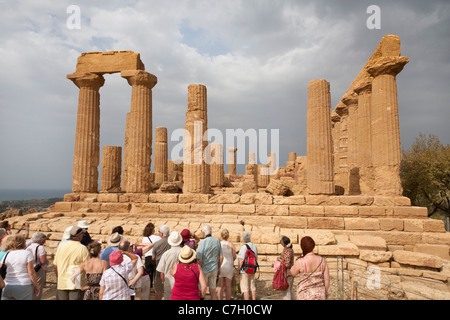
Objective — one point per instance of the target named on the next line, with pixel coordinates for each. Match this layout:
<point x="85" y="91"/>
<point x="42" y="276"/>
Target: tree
<point x="425" y="174"/>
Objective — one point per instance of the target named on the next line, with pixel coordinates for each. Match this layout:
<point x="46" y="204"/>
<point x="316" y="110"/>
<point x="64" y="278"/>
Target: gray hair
<point x="246" y="236"/>
<point x="165" y="230"/>
<point x="38" y="237"/>
<point x="207" y="229"/>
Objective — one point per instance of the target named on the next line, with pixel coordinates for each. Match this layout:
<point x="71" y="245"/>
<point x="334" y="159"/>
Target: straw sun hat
<point x="187" y="255"/>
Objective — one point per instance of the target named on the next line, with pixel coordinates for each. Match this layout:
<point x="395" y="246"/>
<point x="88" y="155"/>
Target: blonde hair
<point x="225" y="234"/>
<point x="13" y="242"/>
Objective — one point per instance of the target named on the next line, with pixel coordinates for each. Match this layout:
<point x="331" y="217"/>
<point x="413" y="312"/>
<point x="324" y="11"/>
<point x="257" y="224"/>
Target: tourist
<point x="188" y="275"/>
<point x="189" y="239"/>
<point x="227" y="267"/>
<point x="247" y="281"/>
<point x="150" y="237"/>
<point x="86" y="236"/>
<point x="143" y="292"/>
<point x="136" y="272"/>
<point x="93" y="269"/>
<point x="113" y="244"/>
<point x="313" y="270"/>
<point x="36" y="246"/>
<point x="2" y="253"/>
<point x="114" y="282"/>
<point x="118" y="229"/>
<point x="287" y="256"/>
<point x="209" y="257"/>
<point x="67" y="259"/>
<point x="20" y="281"/>
<point x="5" y="225"/>
<point x="159" y="248"/>
<point x="167" y="261"/>
<point x="65" y="237"/>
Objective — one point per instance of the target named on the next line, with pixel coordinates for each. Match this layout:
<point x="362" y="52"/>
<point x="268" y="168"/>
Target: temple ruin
<point x="345" y="192"/>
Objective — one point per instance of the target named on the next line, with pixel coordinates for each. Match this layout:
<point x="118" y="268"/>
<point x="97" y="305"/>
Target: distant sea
<point x="28" y="194"/>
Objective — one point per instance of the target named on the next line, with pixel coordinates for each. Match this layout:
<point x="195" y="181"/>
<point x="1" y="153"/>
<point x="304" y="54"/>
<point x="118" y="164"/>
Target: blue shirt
<point x="104" y="255"/>
<point x="209" y="251"/>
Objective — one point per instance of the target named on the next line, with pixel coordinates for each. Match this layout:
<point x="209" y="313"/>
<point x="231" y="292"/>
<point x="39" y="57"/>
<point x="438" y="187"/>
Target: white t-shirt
<point x="40" y="252"/>
<point x="16" y="267"/>
<point x="153" y="239"/>
<point x="133" y="272"/>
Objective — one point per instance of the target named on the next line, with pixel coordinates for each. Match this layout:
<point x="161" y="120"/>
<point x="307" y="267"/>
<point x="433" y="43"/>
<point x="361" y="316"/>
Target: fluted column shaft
<point x="232" y="160"/>
<point x="195" y="170"/>
<point x="111" y="169"/>
<point x="319" y="145"/>
<point x="216" y="167"/>
<point x="161" y="155"/>
<point x="386" y="146"/>
<point x="138" y="133"/>
<point x="87" y="137"/>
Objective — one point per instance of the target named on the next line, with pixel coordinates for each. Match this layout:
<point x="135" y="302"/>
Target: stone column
<point x="216" y="166"/>
<point x="386" y="148"/>
<point x="111" y="169"/>
<point x="250" y="168"/>
<point x="87" y="136"/>
<point x="263" y="175"/>
<point x="363" y="132"/>
<point x="161" y="155"/>
<point x="138" y="132"/>
<point x="232" y="160"/>
<point x="195" y="170"/>
<point x="351" y="101"/>
<point x="319" y="145"/>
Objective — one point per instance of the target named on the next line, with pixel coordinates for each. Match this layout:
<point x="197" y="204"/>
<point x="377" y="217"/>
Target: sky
<point x="256" y="58"/>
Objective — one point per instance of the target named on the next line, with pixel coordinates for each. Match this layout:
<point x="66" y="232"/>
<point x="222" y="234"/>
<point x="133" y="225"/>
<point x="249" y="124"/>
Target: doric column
<point x="364" y="135"/>
<point x="216" y="167"/>
<point x="111" y="169"/>
<point x="232" y="160"/>
<point x="386" y="147"/>
<point x="263" y="175"/>
<point x="138" y="132"/>
<point x="195" y="170"/>
<point x="351" y="101"/>
<point x="161" y="155"/>
<point x="319" y="145"/>
<point x="87" y="136"/>
<point x="250" y="168"/>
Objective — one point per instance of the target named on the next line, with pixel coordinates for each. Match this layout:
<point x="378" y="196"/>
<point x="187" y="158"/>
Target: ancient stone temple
<point x="345" y="192"/>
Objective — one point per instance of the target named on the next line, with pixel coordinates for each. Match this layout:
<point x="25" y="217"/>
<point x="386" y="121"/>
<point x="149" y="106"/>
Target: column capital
<point x="364" y="86"/>
<point x="139" y="77"/>
<point x="387" y="65"/>
<point x="91" y="80"/>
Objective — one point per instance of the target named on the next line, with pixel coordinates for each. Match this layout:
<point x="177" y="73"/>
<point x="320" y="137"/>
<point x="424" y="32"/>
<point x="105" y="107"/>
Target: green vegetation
<point x="25" y="205"/>
<point x="425" y="174"/>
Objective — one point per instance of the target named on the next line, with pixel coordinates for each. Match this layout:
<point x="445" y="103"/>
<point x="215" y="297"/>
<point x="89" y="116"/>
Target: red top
<point x="186" y="282"/>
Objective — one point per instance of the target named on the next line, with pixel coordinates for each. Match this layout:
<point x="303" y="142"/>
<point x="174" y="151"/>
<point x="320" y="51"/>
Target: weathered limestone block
<point x="433" y="225"/>
<point x="115" y="207"/>
<point x="256" y="198"/>
<point x="239" y="208"/>
<point x="322" y="200"/>
<point x="320" y="237"/>
<point x="325" y="223"/>
<point x="365" y="242"/>
<point x="417" y="259"/>
<point x="361" y="224"/>
<point x="249" y="186"/>
<point x="144" y="208"/>
<point x="440" y="250"/>
<point x="290" y="222"/>
<point x="174" y="207"/>
<point x="299" y="200"/>
<point x="411" y="212"/>
<point x="193" y="198"/>
<point x="225" y="198"/>
<point x="108" y="197"/>
<point x="341" y="211"/>
<point x="344" y="249"/>
<point x="263" y="176"/>
<point x="277" y="188"/>
<point x="111" y="169"/>
<point x="170" y="187"/>
<point x="375" y="256"/>
<point x="163" y="198"/>
<point x="372" y="211"/>
<point x="206" y="208"/>
<point x="271" y="210"/>
<point x="306" y="211"/>
<point x="388" y="224"/>
<point x="109" y="62"/>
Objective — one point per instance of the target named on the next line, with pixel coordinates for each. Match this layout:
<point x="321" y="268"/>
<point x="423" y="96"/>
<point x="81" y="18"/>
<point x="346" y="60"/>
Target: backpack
<point x="279" y="281"/>
<point x="250" y="264"/>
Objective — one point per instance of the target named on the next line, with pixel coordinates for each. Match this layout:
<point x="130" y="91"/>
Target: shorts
<point x="211" y="280"/>
<point x="247" y="282"/>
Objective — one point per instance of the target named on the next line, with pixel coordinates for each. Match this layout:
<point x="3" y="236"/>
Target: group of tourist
<point x="179" y="266"/>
